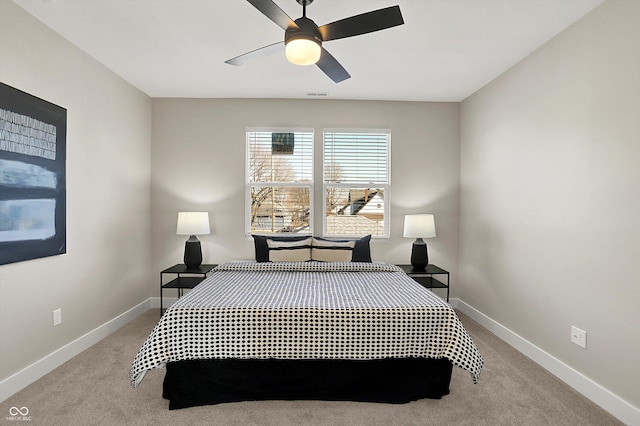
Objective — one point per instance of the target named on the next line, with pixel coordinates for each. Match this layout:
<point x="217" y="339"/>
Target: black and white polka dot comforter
<point x="307" y="310"/>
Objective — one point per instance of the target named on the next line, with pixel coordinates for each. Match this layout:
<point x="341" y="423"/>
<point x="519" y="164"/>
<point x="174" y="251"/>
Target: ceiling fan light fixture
<point x="303" y="38"/>
<point x="303" y="50"/>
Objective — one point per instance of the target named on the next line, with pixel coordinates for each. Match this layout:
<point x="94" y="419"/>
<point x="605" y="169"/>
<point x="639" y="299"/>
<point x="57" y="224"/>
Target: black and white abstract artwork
<point x="32" y="177"/>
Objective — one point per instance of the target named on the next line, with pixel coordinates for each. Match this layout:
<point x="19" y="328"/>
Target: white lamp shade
<point x="419" y="226"/>
<point x="193" y="223"/>
<point x="303" y="51"/>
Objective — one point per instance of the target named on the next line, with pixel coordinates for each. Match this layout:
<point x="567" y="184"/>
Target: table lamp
<point x="193" y="223"/>
<point x="419" y="226"/>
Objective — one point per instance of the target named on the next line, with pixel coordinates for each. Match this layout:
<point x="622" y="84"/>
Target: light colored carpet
<point x="94" y="389"/>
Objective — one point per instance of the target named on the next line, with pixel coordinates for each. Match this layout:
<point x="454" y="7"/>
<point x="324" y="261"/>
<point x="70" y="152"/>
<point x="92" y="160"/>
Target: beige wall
<point x="549" y="197"/>
<point x="198" y="163"/>
<point x="106" y="268"/>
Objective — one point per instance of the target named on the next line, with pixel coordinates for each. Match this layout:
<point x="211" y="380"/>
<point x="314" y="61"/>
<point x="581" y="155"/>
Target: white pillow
<point x="331" y="251"/>
<point x="289" y="251"/>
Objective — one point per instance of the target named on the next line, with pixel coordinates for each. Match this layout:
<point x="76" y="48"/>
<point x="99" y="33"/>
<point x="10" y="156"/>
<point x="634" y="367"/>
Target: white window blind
<point x="279" y="181"/>
<point x="356" y="182"/>
<point x="356" y="157"/>
<point x="269" y="165"/>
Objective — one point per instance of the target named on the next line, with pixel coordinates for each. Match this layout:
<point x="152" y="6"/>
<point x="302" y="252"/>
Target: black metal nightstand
<point x="193" y="278"/>
<point x="425" y="276"/>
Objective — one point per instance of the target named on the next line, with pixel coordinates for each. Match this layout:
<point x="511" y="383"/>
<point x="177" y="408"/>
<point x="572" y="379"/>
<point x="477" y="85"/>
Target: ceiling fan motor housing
<point x="306" y="29"/>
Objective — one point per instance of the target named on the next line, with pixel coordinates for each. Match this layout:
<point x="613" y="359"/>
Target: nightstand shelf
<point x="194" y="276"/>
<point x="425" y="277"/>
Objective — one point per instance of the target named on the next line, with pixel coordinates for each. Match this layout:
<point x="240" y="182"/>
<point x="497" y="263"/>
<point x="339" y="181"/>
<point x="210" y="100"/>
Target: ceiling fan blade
<point x="273" y="12"/>
<point x="331" y="67"/>
<point x="255" y="54"/>
<point x="361" y="24"/>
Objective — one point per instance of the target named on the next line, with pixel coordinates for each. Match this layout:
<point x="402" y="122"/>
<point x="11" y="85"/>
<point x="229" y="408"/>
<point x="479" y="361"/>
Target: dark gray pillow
<point x="362" y="252"/>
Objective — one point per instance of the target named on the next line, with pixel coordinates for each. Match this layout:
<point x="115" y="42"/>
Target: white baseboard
<point x="166" y="302"/>
<point x="33" y="372"/>
<point x="609" y="401"/>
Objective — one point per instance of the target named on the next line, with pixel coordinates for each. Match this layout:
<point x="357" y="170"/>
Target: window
<point x="356" y="183"/>
<point x="279" y="181"/>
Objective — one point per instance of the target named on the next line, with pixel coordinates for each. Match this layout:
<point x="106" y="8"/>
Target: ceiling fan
<point x="303" y="38"/>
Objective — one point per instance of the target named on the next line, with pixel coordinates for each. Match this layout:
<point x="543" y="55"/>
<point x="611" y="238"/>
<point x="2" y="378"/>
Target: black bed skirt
<point x="396" y="381"/>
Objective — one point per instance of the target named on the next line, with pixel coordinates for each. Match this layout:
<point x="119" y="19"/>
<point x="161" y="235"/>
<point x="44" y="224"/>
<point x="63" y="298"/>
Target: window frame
<point x="288" y="184"/>
<point x="386" y="186"/>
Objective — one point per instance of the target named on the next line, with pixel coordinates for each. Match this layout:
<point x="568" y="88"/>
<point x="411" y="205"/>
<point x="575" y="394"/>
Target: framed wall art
<point x="32" y="177"/>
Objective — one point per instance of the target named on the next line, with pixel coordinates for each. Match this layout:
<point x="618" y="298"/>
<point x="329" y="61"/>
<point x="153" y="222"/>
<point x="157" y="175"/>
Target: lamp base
<point x="192" y="252"/>
<point x="419" y="255"/>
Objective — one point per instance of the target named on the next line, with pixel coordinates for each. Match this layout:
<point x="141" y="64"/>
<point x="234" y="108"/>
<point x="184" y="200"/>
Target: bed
<point x="359" y="331"/>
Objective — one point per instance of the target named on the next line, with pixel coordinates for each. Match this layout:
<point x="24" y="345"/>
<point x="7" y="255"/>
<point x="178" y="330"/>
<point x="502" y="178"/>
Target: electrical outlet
<point x="57" y="317"/>
<point x="579" y="337"/>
